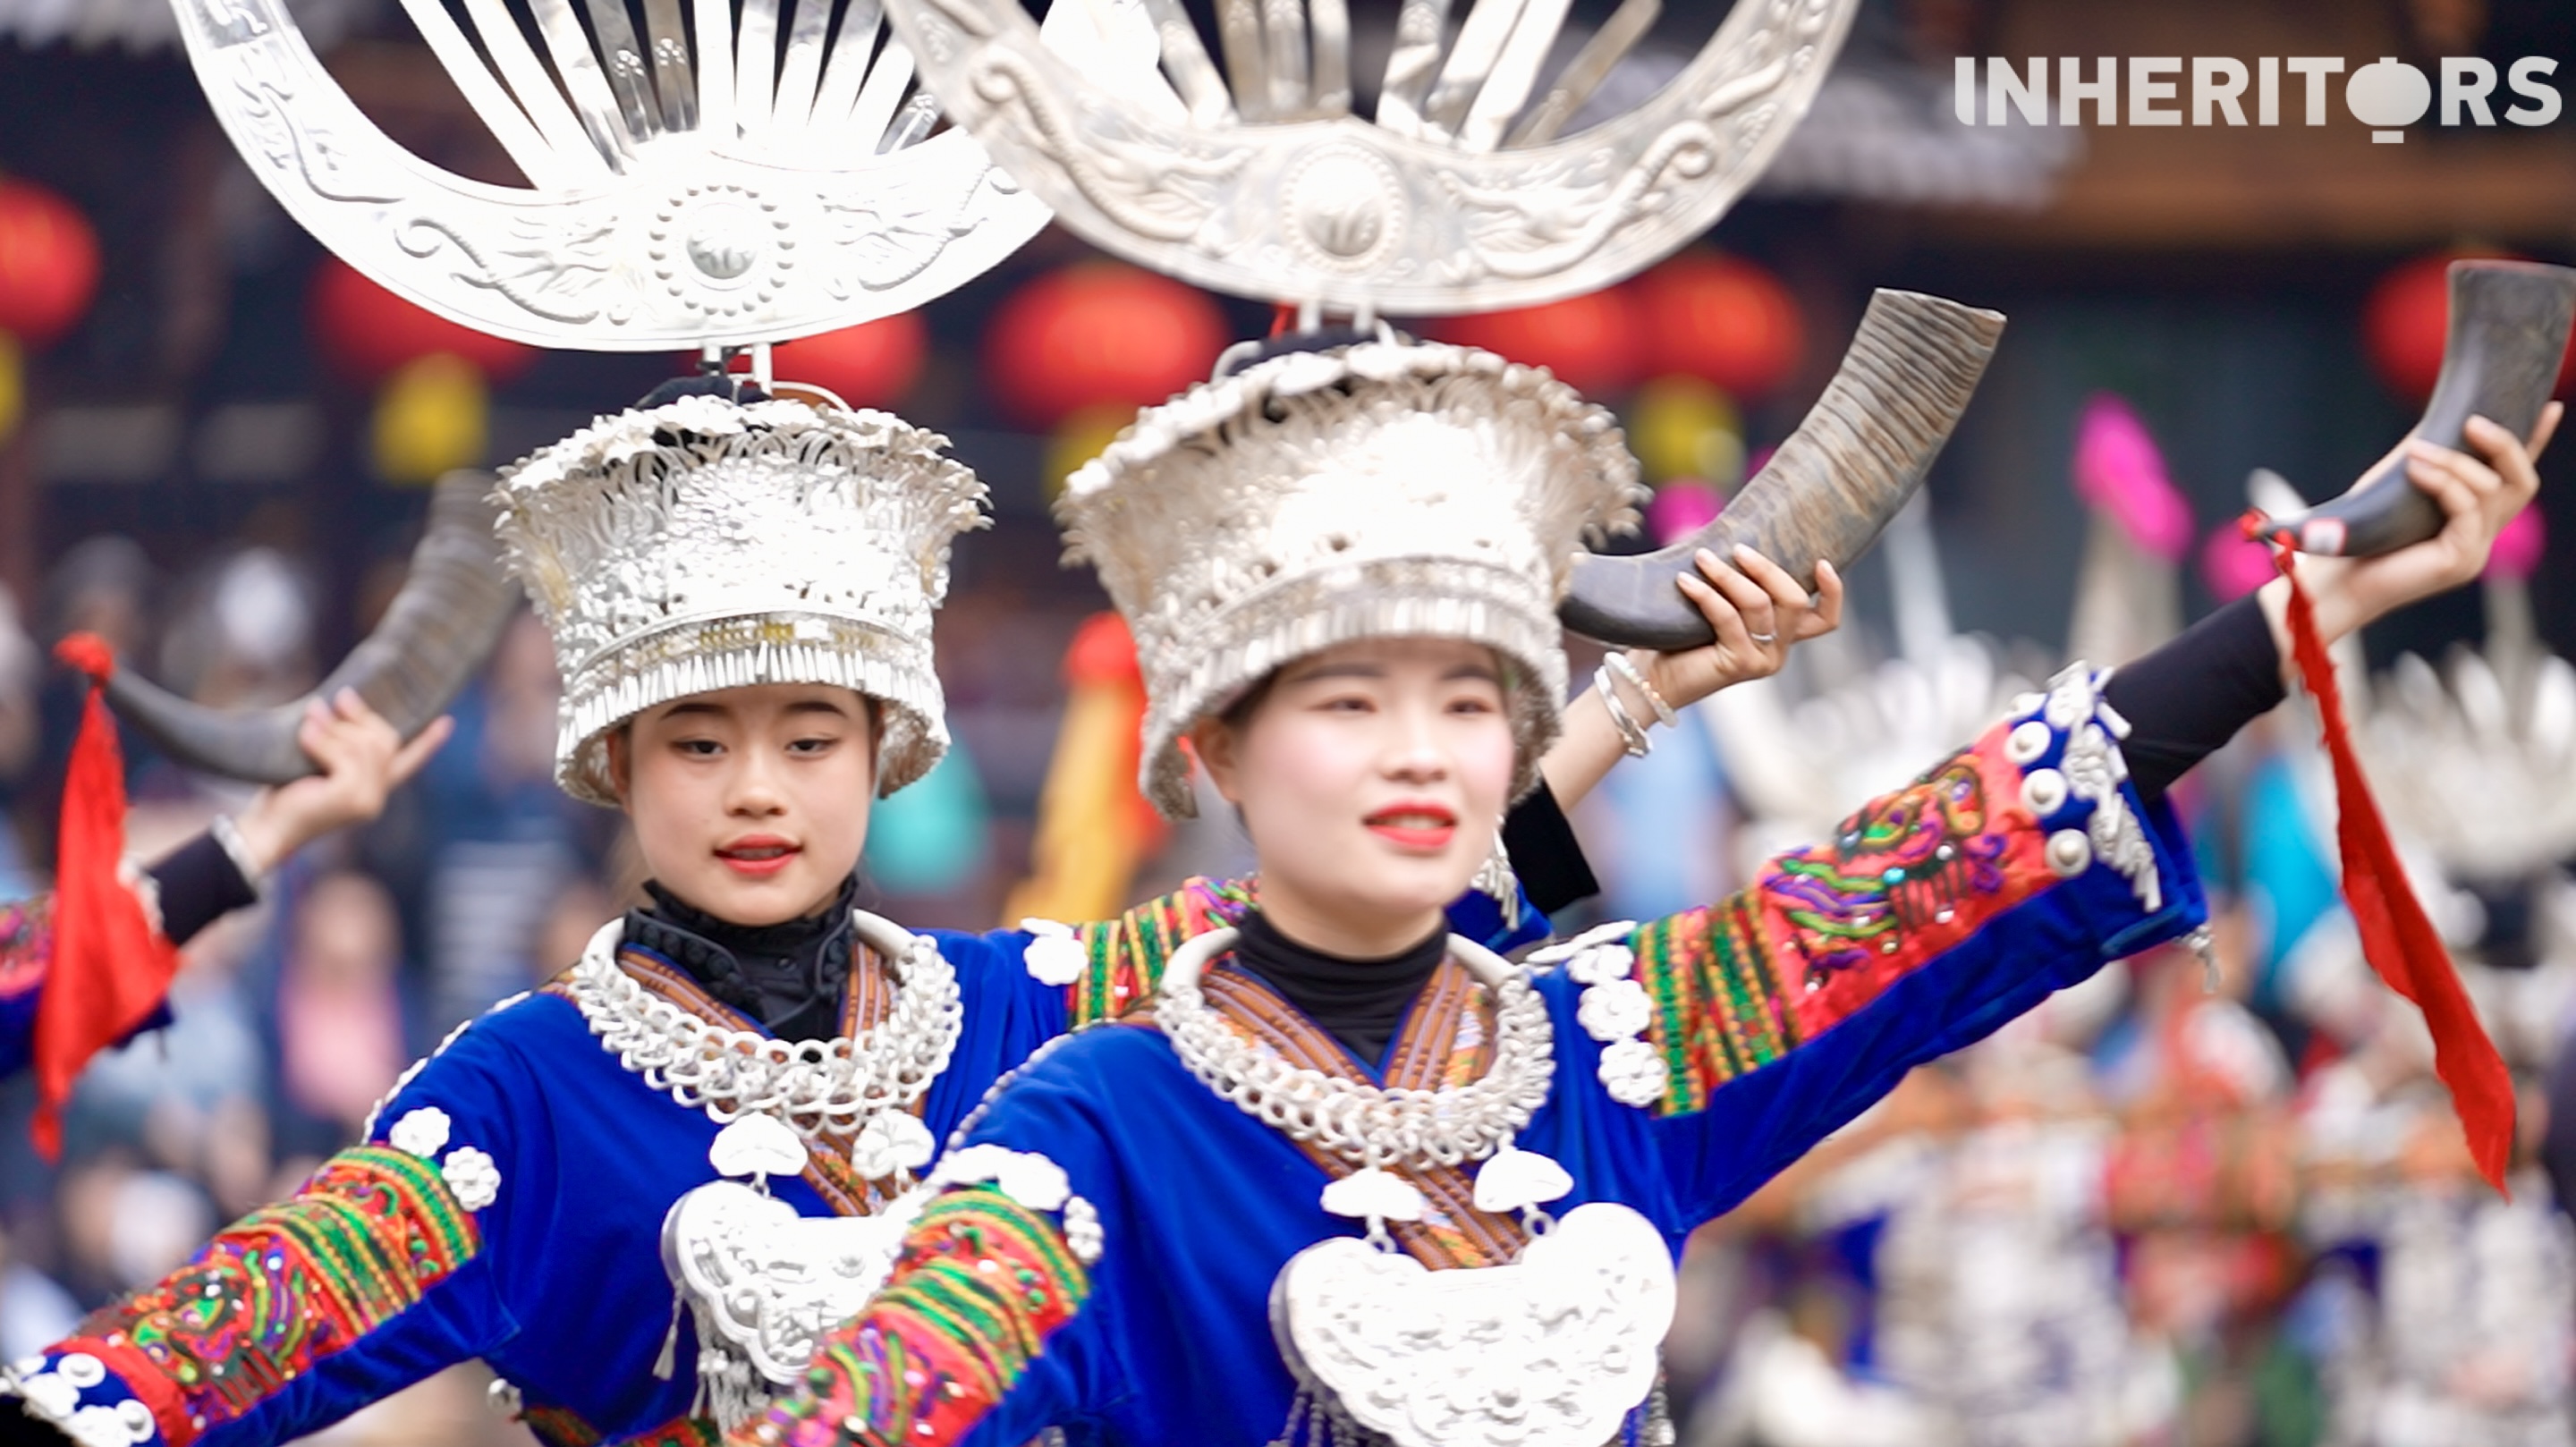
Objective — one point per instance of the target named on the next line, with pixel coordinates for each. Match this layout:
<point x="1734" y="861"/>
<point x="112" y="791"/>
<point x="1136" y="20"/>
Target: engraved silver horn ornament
<point x="722" y="178"/>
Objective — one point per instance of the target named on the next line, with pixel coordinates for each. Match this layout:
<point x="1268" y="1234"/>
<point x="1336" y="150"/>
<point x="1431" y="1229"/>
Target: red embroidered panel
<point x="1829" y="928"/>
<point x="26" y="944"/>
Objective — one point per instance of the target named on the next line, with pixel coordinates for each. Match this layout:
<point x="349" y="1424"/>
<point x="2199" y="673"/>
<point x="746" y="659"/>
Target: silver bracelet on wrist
<point x="237" y="849"/>
<point x="1632" y="735"/>
<point x="1618" y="663"/>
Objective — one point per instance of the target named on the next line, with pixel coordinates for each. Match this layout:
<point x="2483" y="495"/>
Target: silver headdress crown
<point x="698" y="183"/>
<point x="1381" y="490"/>
<point x="1391" y="488"/>
<point x="698" y="175"/>
<point x="1457" y="195"/>
<point x="705" y="544"/>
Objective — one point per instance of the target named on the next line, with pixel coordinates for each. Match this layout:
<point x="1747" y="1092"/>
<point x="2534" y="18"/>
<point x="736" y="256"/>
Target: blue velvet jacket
<point x="508" y="1206"/>
<point x="1102" y="1258"/>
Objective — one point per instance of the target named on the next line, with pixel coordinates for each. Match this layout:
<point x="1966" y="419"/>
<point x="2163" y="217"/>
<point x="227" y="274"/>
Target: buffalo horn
<point x="438" y="631"/>
<point x="1828" y="491"/>
<point x="2508" y="333"/>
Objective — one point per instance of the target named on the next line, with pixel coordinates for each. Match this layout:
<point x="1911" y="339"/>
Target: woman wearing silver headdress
<point x="720" y="1112"/>
<point x="1256" y="1214"/>
<point x="640" y="1193"/>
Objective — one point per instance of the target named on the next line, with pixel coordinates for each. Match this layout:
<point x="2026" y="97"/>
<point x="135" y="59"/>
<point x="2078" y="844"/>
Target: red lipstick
<point x="758" y="855"/>
<point x="1415" y="826"/>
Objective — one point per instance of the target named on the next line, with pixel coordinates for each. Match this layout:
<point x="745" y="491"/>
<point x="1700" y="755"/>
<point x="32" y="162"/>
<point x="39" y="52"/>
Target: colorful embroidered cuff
<point x="990" y="1270"/>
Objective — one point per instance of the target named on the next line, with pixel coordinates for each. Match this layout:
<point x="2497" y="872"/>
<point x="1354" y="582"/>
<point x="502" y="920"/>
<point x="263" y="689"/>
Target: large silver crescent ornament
<point x="675" y="200"/>
<point x="1453" y="199"/>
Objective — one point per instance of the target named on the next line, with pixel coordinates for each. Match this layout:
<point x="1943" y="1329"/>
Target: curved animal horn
<point x="437" y="632"/>
<point x="1826" y="493"/>
<point x="2509" y="325"/>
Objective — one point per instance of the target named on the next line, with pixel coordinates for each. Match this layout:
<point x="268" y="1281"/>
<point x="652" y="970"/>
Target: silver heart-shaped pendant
<point x="1552" y="1350"/>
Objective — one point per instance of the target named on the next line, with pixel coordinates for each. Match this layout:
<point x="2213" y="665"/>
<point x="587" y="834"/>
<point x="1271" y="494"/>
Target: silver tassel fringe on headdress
<point x="708" y="544"/>
<point x="1387" y="489"/>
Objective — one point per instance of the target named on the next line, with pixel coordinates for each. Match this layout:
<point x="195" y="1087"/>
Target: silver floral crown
<point x="1384" y="489"/>
<point x="816" y="550"/>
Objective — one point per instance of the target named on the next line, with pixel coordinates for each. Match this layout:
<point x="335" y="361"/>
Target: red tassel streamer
<point x="2396" y="937"/>
<point x="110" y="968"/>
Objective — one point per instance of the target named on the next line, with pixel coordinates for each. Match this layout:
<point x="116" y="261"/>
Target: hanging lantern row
<point x="1720" y="320"/>
<point x="872" y="364"/>
<point x="48" y="264"/>
<point x="367" y="333"/>
<point x="1095" y="336"/>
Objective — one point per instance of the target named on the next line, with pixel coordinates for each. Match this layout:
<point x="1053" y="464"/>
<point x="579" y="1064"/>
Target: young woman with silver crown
<point x="739" y="1084"/>
<point x="1354" y="1178"/>
<point x="640" y="1192"/>
<point x="1254" y="1213"/>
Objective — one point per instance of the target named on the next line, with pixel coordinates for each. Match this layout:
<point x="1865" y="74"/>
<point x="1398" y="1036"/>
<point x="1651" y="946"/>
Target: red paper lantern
<point x="367" y="333"/>
<point x="2408" y="319"/>
<point x="1590" y="342"/>
<point x="1723" y="320"/>
<point x="48" y="264"/>
<point x="1099" y="334"/>
<point x="872" y="364"/>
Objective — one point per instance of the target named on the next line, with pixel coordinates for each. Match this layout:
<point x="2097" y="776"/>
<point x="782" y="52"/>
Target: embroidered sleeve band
<point x="983" y="1280"/>
<point x="283" y="1288"/>
<point x="1122" y="959"/>
<point x="1686" y="1004"/>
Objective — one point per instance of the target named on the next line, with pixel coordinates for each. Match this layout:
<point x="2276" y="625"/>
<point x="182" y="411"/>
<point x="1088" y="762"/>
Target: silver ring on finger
<point x="1764" y="639"/>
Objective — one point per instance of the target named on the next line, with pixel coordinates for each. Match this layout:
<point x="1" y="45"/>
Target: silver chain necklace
<point x="1368" y="1125"/>
<point x="814" y="1086"/>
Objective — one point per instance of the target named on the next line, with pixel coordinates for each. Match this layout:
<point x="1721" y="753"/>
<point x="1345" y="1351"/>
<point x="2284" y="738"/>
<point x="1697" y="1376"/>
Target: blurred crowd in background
<point x="2214" y="1202"/>
<point x="2197" y="1200"/>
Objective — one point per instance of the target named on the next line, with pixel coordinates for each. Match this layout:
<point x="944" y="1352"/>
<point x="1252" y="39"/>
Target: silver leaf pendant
<point x="757" y="1146"/>
<point x="1556" y="1347"/>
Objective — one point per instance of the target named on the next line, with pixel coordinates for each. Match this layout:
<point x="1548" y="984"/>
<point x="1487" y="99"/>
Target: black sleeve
<point x="199" y="884"/>
<point x="2188" y="698"/>
<point x="1546" y="857"/>
<point x="2558" y="1144"/>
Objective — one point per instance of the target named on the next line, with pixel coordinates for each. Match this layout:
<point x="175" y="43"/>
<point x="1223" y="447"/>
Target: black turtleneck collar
<point x="1361" y="1003"/>
<point x="792" y="977"/>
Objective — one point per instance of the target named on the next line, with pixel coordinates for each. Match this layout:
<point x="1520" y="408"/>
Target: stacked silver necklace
<point x="1367" y="1125"/>
<point x="762" y="1281"/>
<point x="1559" y="1345"/>
<point x="814" y="1086"/>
